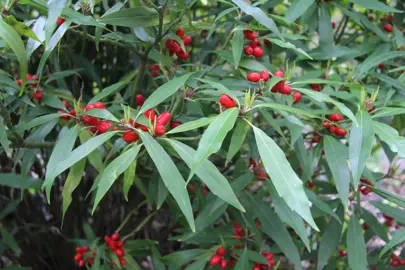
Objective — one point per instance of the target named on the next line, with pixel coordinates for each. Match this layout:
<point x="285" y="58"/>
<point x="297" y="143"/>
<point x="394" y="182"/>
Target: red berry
<point x="72" y="112"/>
<point x="191" y="188"/>
<point x="253" y="76"/>
<point x="163" y="118"/>
<point x="89" y="107"/>
<point x="139" y="100"/>
<point x="248" y="50"/>
<point x="19" y="81"/>
<point x="81" y="263"/>
<point x="155" y="66"/>
<point x="265" y="75"/>
<point x="221" y="251"/>
<point x="267" y="43"/>
<point x="381" y="66"/>
<point x="28" y="77"/>
<point x="342" y="253"/>
<point x="332" y="129"/>
<point x="176" y="47"/>
<point x="277" y="87"/>
<point x="182" y="55"/>
<point x="85" y="249"/>
<point x="115" y="236"/>
<point x="99" y="105"/>
<point x="78" y="257"/>
<point x="279" y="73"/>
<point x="402" y="262"/>
<point x="256" y="267"/>
<point x="107" y="239"/>
<point x="250" y="35"/>
<point x="326" y="124"/>
<point x="60" y="21"/>
<point x="180" y="32"/>
<point x="78" y="249"/>
<point x="395" y="263"/>
<point x="37" y="95"/>
<point x="150" y="114"/>
<point x="119" y="252"/>
<point x="123" y="261"/>
<point x="296" y="97"/>
<point x="311" y="185"/>
<point x="64" y="117"/>
<point x="65" y="103"/>
<point x="103" y="126"/>
<point x="204" y="191"/>
<point x="285" y="90"/>
<point x="113" y="245"/>
<point x="34" y="77"/>
<point x="174" y="124"/>
<point x="258" y="52"/>
<point x="223" y="264"/>
<point x="130" y="136"/>
<point x="335" y="117"/>
<point x="120" y="244"/>
<point x="227" y="101"/>
<point x="155" y="73"/>
<point x="160" y="130"/>
<point x="315" y="87"/>
<point x="169" y="43"/>
<point x="340" y="132"/>
<point x="333" y="25"/>
<point x="387" y="27"/>
<point x="187" y="40"/>
<point x="215" y="259"/>
<point x="254" y="43"/>
<point x="89" y="120"/>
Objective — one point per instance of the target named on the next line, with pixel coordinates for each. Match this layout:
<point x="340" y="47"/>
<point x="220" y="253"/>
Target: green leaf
<point x="14" y="41"/>
<point x="220" y="87"/>
<point x="396" y="213"/>
<point x="60" y="152"/>
<point x="108" y="91"/>
<point x="63" y="74"/>
<point x="9" y="208"/>
<point x="360" y="144"/>
<point x="356" y="248"/>
<point x="55" y="8"/>
<point x="325" y="26"/>
<point x="289" y="45"/>
<point x="397" y="238"/>
<point x="38" y="30"/>
<point x="102" y="113"/>
<point x="336" y="155"/>
<point x="287" y="183"/>
<point x="237" y="140"/>
<point x="9" y="240"/>
<point x="374" y="224"/>
<point x="181" y="258"/>
<point x="132" y="17"/>
<point x="17" y="180"/>
<point x="275" y="229"/>
<point x="388" y="111"/>
<point x="94" y="158"/>
<point x="391" y="137"/>
<point x="197" y="265"/>
<point x="21" y="28"/>
<point x="237" y="47"/>
<point x="400" y="201"/>
<point x="129" y="178"/>
<point x="373" y="60"/>
<point x="170" y="176"/>
<point x="243" y="261"/>
<point x="297" y="8"/>
<point x="329" y="240"/>
<point x="192" y="125"/>
<point x="259" y="15"/>
<point x="162" y="194"/>
<point x="4" y="138"/>
<point x="79" y="18"/>
<point x="287" y="215"/>
<point x="72" y="181"/>
<point x="209" y="174"/>
<point x="319" y="203"/>
<point x="375" y="5"/>
<point x="281" y="107"/>
<point x="321" y="97"/>
<point x="213" y="136"/>
<point x="113" y="171"/>
<point x="163" y="92"/>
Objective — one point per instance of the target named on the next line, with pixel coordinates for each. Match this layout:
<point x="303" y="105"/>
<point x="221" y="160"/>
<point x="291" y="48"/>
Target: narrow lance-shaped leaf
<point x="72" y="181"/>
<point x="129" y="178"/>
<point x="319" y="203"/>
<point x="390" y="136"/>
<point x="397" y="238"/>
<point x="372" y="222"/>
<point x="243" y="261"/>
<point x="325" y="26"/>
<point x="170" y="176"/>
<point x="330" y="240"/>
<point x="3" y="138"/>
<point x="55" y="8"/>
<point x="94" y="158"/>
<point x="209" y="174"/>
<point x="237" y="140"/>
<point x="360" y="144"/>
<point x="60" y="152"/>
<point x="356" y="248"/>
<point x="223" y="89"/>
<point x="297" y="8"/>
<point x="103" y="114"/>
<point x="192" y="125"/>
<point x="336" y="156"/>
<point x="287" y="183"/>
<point x="400" y="201"/>
<point x="108" y="91"/>
<point x="237" y="47"/>
<point x="163" y="92"/>
<point x="212" y="138"/>
<point x="113" y="171"/>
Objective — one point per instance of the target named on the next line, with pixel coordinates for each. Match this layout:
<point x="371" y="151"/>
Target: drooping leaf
<point x="388" y="111"/>
<point x="95" y="158"/>
<point x="209" y="174"/>
<point x="9" y="240"/>
<point x="170" y="176"/>
<point x="373" y="60"/>
<point x="325" y="26"/>
<point x="391" y="137"/>
<point x="4" y="138"/>
<point x="319" y="203"/>
<point x="372" y="222"/>
<point x="360" y="144"/>
<point x="103" y="114"/>
<point x="288" y="45"/>
<point x="336" y="156"/>
<point x="113" y="171"/>
<point x="132" y="17"/>
<point x="63" y="74"/>
<point x="286" y="182"/>
<point x="72" y="181"/>
<point x="129" y="178"/>
<point x="237" y="47"/>
<point x="281" y="107"/>
<point x="108" y="91"/>
<point x="192" y="125"/>
<point x="237" y="140"/>
<point x="20" y="27"/>
<point x="55" y="8"/>
<point x="16" y="181"/>
<point x="400" y="201"/>
<point x="213" y="136"/>
<point x="38" y="30"/>
<point x="223" y="89"/>
<point x="397" y="213"/>
<point x="356" y="248"/>
<point x="182" y="257"/>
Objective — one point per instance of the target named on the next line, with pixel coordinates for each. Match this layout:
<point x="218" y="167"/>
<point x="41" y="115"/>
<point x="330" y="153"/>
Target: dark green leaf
<point x="288" y="45"/>
<point x="373" y="223"/>
<point x="391" y="137"/>
<point x="319" y="203"/>
<point x="180" y="258"/>
<point x="192" y="125"/>
<point x="63" y="74"/>
<point x="129" y="178"/>
<point x="4" y="138"/>
<point x="373" y="60"/>
<point x="400" y="201"/>
<point x="237" y="140"/>
<point x="132" y="17"/>
<point x="16" y="181"/>
<point x="325" y="26"/>
<point x="356" y="248"/>
<point x="223" y="89"/>
<point x="396" y="213"/>
<point x="388" y="111"/>
<point x="237" y="47"/>
<point x="281" y="107"/>
<point x="243" y="261"/>
<point x="297" y="8"/>
<point x="9" y="240"/>
<point x="95" y="158"/>
<point x="397" y="238"/>
<point x="108" y="91"/>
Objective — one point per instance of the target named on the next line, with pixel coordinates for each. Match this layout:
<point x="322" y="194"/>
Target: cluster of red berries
<point x="363" y="189"/>
<point x="227" y="101"/>
<point x="60" y="21"/>
<point x="316" y="137"/>
<point x="335" y="117"/>
<point x="175" y="48"/>
<point x="270" y="260"/>
<point x="37" y="95"/>
<point x="254" y="47"/>
<point x="65" y="116"/>
<point x="83" y="256"/>
<point x="218" y="258"/>
<point x="116" y="246"/>
<point x="395" y="261"/>
<point x="155" y="70"/>
<point x="258" y="171"/>
<point x="264" y="76"/>
<point x="191" y="188"/>
<point x="389" y="221"/>
<point x="238" y="231"/>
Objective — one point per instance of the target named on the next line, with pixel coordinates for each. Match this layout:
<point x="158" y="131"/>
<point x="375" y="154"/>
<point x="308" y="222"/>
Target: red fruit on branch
<point x="99" y="105"/>
<point x="279" y="73"/>
<point x="315" y="87"/>
<point x="89" y="120"/>
<point x="227" y="101"/>
<point x="388" y="27"/>
<point x="78" y="256"/>
<point x="37" y="95"/>
<point x="248" y="50"/>
<point x="258" y="52"/>
<point x="150" y="114"/>
<point x="223" y="264"/>
<point x="19" y="81"/>
<point x="342" y="253"/>
<point x="335" y="117"/>
<point x="332" y="129"/>
<point x="340" y="132"/>
<point x="119" y="252"/>
<point x="103" y="126"/>
<point x="60" y="21"/>
<point x="139" y="99"/>
<point x="187" y="40"/>
<point x="65" y="103"/>
<point x="253" y="77"/>
<point x="130" y="136"/>
<point x="174" y="124"/>
<point x="163" y="119"/>
<point x="215" y="259"/>
<point x="381" y="66"/>
<point x="182" y="55"/>
<point x="285" y="90"/>
<point x="297" y="96"/>
<point x="191" y="188"/>
<point x="115" y="236"/>
<point x="221" y="251"/>
<point x="326" y="124"/>
<point x="64" y="117"/>
<point x="123" y="261"/>
<point x="265" y="75"/>
<point x="180" y="32"/>
<point x="81" y="263"/>
<point x="250" y="35"/>
<point x="160" y="130"/>
<point x="254" y="43"/>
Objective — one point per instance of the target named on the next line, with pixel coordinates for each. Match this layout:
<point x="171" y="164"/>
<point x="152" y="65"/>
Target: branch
<point x="32" y="145"/>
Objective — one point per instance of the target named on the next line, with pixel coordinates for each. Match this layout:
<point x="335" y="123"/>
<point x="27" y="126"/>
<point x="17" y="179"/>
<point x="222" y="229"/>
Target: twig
<point x="139" y="226"/>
